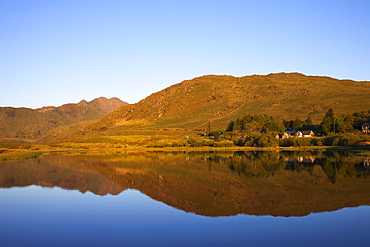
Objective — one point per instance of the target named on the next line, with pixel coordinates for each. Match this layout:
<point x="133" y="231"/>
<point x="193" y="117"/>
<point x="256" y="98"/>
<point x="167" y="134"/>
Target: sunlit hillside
<point x="215" y="100"/>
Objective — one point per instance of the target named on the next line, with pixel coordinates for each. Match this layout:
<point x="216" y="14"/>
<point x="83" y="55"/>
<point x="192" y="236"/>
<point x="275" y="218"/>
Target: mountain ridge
<point x="212" y="101"/>
<point x="26" y="123"/>
<point x="218" y="99"/>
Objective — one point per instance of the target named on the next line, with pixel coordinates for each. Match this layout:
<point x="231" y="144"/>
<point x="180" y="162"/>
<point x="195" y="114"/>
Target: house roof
<point x="289" y="131"/>
<point x="306" y="132"/>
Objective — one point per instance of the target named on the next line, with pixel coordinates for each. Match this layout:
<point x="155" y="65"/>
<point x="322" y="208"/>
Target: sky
<point x="56" y="52"/>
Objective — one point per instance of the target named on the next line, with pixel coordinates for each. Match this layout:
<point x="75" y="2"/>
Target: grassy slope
<point x="190" y="105"/>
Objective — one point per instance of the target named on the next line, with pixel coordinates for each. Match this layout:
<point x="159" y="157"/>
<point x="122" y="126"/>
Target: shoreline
<point x="23" y="154"/>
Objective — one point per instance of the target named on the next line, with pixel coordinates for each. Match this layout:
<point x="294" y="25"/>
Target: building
<point x="305" y="133"/>
<point x="285" y="135"/>
<point x="291" y="132"/>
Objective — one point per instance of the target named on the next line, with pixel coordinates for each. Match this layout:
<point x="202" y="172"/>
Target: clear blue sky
<point x="62" y="51"/>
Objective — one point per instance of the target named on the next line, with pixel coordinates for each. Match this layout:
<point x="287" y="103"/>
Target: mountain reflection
<point x="208" y="183"/>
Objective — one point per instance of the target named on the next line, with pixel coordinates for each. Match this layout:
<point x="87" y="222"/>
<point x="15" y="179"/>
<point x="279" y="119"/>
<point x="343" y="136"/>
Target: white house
<point x="305" y="133"/>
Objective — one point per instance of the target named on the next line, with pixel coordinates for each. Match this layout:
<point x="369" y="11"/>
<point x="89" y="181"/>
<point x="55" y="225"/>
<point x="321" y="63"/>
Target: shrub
<point x="26" y="146"/>
<point x="195" y="143"/>
<point x="179" y="143"/>
<point x="240" y="142"/>
<point x="300" y="142"/>
<point x="208" y="142"/>
<point x="9" y="145"/>
<point x="250" y="140"/>
<point x="316" y="142"/>
<point x="348" y="139"/>
<point x="161" y="144"/>
<point x="224" y="143"/>
<point x="288" y="142"/>
<point x="266" y="141"/>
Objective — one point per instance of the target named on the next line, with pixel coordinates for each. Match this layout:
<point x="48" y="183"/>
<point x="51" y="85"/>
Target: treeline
<point x="257" y="123"/>
<point x="262" y="130"/>
<point x="266" y="131"/>
<point x="331" y="123"/>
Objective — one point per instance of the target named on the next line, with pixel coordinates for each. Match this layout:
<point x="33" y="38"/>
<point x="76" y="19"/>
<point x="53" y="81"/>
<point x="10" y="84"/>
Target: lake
<point x="186" y="199"/>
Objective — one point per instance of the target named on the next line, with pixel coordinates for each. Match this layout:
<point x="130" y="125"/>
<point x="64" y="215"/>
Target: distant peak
<point x="292" y="74"/>
<point x="114" y="98"/>
<point x="100" y="98"/>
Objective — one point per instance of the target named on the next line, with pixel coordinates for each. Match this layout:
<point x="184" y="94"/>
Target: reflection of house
<point x="305" y="133"/>
<point x="306" y="159"/>
<point x="366" y="128"/>
<point x="367" y="163"/>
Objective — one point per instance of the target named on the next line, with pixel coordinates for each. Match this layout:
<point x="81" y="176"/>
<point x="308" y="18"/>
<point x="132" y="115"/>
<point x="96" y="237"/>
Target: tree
<point x="328" y="123"/>
<point x="273" y="127"/>
<point x="297" y="123"/>
<point x="230" y="126"/>
<point x="237" y="126"/>
<point x="288" y="124"/>
<point x="247" y="118"/>
<point x="216" y="135"/>
<point x="330" y="113"/>
<point x="344" y="123"/>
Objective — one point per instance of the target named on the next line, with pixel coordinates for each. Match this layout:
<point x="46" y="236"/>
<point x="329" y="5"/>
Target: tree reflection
<point x="266" y="164"/>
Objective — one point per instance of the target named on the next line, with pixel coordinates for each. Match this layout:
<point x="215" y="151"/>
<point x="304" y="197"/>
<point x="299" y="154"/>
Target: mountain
<point x="193" y="104"/>
<point x="218" y="99"/>
<point x="25" y="123"/>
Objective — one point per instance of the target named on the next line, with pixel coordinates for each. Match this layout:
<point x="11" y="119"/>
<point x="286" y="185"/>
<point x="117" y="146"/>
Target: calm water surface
<point x="186" y="199"/>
